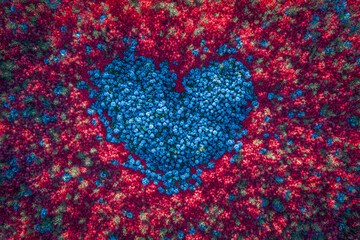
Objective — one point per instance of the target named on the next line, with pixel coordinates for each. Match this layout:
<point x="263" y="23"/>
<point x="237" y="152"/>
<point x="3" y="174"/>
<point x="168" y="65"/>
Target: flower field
<point x="195" y="119"/>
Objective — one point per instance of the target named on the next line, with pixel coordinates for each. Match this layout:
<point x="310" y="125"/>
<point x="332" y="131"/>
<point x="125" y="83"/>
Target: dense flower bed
<point x="170" y="131"/>
<point x="295" y="174"/>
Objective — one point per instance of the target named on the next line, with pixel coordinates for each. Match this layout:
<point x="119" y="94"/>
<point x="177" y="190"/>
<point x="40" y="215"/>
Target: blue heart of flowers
<point x="172" y="131"/>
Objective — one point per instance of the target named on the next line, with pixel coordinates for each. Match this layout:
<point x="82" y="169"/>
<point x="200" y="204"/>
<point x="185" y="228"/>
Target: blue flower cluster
<point x="195" y="52"/>
<point x="11" y="171"/>
<point x="102" y="18"/>
<point x="297" y="93"/>
<point x="239" y="42"/>
<point x="172" y="131"/>
<point x="46" y="118"/>
<point x="31" y="158"/>
<point x="62" y="54"/>
<point x="66" y="177"/>
<point x="43" y="213"/>
<point x="264" y="43"/>
<point x="223" y="49"/>
<point x="352" y="121"/>
<point x="58" y="89"/>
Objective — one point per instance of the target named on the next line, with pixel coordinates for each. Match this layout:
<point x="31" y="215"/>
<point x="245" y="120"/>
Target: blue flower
<point x="264" y="43"/>
<point x="99" y="183"/>
<point x="100" y="46"/>
<point x="202" y="226"/>
<point x="340" y="197"/>
<point x="249" y="58"/>
<point x="351" y="120"/>
<point x="266" y="135"/>
<point x="263" y="151"/>
<point x="341" y="6"/>
<point x="102" y="18"/>
<point x="211" y="165"/>
<point x="293" y="96"/>
<point x="315" y="136"/>
<point x="145" y="181"/>
<point x="222" y="50"/>
<point x="232" y="51"/>
<point x="63" y="52"/>
<point x="14" y="113"/>
<point x="329" y="141"/>
<point x="88" y="49"/>
<point x="245" y="131"/>
<point x="231" y="197"/>
<point x="112" y="237"/>
<point x="16" y="206"/>
<point x="43" y="213"/>
<point x="90" y="111"/>
<point x="358" y="61"/>
<point x="239" y="42"/>
<point x="63" y="29"/>
<point x="192" y="231"/>
<point x="180" y="235"/>
<point x="237" y="146"/>
<point x="195" y="52"/>
<point x="13" y="162"/>
<point x="277" y="136"/>
<point x="291" y="114"/>
<point x="255" y="103"/>
<point x="9" y="174"/>
<point x="58" y="89"/>
<point x="346" y="18"/>
<point x="6" y="105"/>
<point x="265" y="24"/>
<point x="11" y="98"/>
<point x="301" y="114"/>
<point x="161" y="190"/>
<point x="279" y="179"/>
<point x="129" y="214"/>
<point x="271" y="95"/>
<point x="217" y="233"/>
<point x="66" y="177"/>
<point x="277" y="206"/>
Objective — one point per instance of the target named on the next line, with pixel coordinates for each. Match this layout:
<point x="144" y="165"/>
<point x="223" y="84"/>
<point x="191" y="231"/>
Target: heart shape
<point x="172" y="131"/>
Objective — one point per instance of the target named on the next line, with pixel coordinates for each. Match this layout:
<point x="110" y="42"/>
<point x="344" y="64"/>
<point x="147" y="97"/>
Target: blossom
<point x="66" y="177"/>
